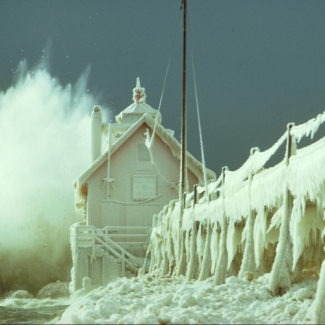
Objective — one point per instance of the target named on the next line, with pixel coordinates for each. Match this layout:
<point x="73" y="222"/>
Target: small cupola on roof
<point x="135" y="111"/>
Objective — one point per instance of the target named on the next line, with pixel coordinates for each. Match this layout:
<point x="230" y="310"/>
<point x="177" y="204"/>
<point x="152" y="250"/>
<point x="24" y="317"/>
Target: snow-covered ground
<point x="152" y="299"/>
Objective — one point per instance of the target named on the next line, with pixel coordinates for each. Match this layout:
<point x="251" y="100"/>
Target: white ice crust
<point x="257" y="220"/>
<point x="165" y="300"/>
<point x="252" y="252"/>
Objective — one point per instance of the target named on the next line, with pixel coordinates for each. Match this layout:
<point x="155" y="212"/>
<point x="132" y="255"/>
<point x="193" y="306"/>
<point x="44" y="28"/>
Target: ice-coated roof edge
<point x="135" y="108"/>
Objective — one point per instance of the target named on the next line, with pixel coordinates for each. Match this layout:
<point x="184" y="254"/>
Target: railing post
<point x="195" y="194"/>
<point x="193" y="254"/>
<point x="123" y="264"/>
<point x="221" y="268"/>
<point x="184" y="198"/>
<point x="248" y="262"/>
<point x="281" y="265"/>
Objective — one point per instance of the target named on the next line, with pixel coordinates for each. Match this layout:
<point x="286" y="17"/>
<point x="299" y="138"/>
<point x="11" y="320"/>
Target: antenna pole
<point x="183" y="182"/>
<point x="183" y="165"/>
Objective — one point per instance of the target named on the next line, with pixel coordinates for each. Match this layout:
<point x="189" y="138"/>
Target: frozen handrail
<point x="86" y="236"/>
<point x="238" y="220"/>
<point x="213" y="185"/>
<point x="308" y="128"/>
<point x="253" y="163"/>
<point x="237" y="179"/>
<point x="200" y="189"/>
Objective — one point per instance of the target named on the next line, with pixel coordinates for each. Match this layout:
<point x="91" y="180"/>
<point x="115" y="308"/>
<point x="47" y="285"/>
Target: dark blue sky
<point x="259" y="64"/>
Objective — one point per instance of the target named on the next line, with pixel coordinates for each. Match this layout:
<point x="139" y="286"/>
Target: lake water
<point x="31" y="311"/>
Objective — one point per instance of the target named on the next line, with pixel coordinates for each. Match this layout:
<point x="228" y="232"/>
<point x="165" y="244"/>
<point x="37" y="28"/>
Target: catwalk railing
<point x="114" y="239"/>
<point x="254" y="221"/>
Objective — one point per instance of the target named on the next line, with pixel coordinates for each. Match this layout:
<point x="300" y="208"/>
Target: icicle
<point x="299" y="228"/>
<point x="193" y="254"/>
<point x="164" y="253"/>
<point x="221" y="268"/>
<point x="277" y="283"/>
<point x="206" y="263"/>
<point x="165" y="263"/>
<point x="248" y="263"/>
<point x="181" y="269"/>
<point x="193" y="248"/>
<point x="276" y="219"/>
<point x="159" y="258"/>
<point x="260" y="228"/>
<point x="187" y="245"/>
<point x="231" y="243"/>
<point x="220" y="273"/>
<point x="170" y="242"/>
<point x="171" y="256"/>
<point x="214" y="247"/>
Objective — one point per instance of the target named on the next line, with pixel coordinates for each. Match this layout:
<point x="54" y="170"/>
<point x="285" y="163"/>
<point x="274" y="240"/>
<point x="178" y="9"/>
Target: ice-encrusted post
<point x="193" y="253"/>
<point x="248" y="263"/>
<point x="220" y="273"/>
<point x="183" y="183"/>
<point x="280" y="279"/>
<point x="206" y="263"/>
<point x="317" y="310"/>
<point x="181" y="270"/>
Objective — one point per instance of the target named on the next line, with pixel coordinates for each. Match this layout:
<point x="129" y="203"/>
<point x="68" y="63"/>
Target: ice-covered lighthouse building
<point x="122" y="189"/>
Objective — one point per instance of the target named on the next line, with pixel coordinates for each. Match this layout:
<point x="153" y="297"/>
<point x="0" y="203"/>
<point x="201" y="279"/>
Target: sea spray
<point x="44" y="145"/>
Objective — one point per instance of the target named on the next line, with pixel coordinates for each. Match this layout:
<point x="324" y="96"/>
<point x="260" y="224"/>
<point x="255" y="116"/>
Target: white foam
<point x="45" y="141"/>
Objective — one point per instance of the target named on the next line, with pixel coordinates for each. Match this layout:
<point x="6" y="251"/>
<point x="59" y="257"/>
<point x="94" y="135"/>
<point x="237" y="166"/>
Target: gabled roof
<point x="166" y="136"/>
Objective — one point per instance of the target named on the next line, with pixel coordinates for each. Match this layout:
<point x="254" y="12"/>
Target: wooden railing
<point x="89" y="236"/>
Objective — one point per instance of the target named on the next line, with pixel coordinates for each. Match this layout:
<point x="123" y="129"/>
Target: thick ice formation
<point x="54" y="290"/>
<point x="257" y="220"/>
<point x="308" y="128"/>
<point x="152" y="299"/>
<point x="251" y="251"/>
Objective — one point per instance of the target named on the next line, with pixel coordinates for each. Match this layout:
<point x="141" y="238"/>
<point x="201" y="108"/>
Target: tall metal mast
<point x="183" y="164"/>
<point x="183" y="180"/>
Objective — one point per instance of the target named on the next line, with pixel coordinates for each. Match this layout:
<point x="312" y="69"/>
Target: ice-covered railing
<point x="308" y="128"/>
<point x="82" y="236"/>
<point x="257" y="220"/>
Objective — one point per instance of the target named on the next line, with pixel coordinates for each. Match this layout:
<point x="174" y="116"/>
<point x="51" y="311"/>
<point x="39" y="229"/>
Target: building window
<point x="144" y="187"/>
<point x="143" y="157"/>
<point x="143" y="152"/>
